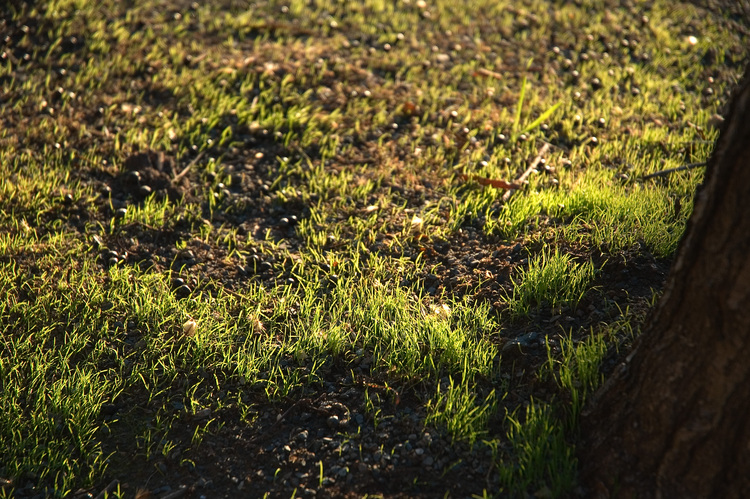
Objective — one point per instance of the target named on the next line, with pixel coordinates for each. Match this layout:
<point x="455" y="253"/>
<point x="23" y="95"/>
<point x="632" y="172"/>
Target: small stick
<point x="520" y="181"/>
<point x="672" y="170"/>
<point x="185" y="170"/>
<point x="488" y="72"/>
<point x="108" y="489"/>
<point x="177" y="493"/>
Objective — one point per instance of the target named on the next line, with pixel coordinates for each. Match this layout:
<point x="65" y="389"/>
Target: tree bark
<point x="673" y="421"/>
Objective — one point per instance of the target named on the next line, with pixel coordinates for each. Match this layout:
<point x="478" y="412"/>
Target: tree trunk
<point x="673" y="421"/>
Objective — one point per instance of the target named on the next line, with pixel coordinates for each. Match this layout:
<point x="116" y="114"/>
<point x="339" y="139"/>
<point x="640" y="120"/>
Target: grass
<point x="550" y="277"/>
<point x="312" y="208"/>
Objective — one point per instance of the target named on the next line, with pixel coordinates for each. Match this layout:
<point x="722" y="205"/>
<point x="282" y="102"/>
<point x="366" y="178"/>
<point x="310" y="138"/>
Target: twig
<point x="672" y="170"/>
<point x="496" y="183"/>
<point x="520" y="181"/>
<point x="488" y="72"/>
<point x="108" y="489"/>
<point x="185" y="170"/>
<point x="557" y="146"/>
<point x="177" y="493"/>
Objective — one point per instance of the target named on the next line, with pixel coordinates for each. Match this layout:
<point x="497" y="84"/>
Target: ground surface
<point x="314" y="186"/>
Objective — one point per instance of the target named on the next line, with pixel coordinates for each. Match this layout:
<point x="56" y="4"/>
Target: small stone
<point x="715" y="120"/>
<point x="428" y="461"/>
<point x="108" y="409"/>
<point x="182" y="291"/>
<point x="133" y="178"/>
<point x="121" y="212"/>
<point x="186" y="254"/>
<point x="177" y="282"/>
<point x="190" y="328"/>
<point x="333" y="422"/>
<point x="97" y="242"/>
<point x="144" y="190"/>
<point x="109" y="254"/>
<point x="253" y="264"/>
<point x="205" y="412"/>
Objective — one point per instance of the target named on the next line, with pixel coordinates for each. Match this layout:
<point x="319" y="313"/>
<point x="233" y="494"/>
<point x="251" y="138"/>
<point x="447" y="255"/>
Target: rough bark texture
<point x="674" y="419"/>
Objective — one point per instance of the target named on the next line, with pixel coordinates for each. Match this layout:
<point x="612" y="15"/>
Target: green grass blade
<point x="546" y="114"/>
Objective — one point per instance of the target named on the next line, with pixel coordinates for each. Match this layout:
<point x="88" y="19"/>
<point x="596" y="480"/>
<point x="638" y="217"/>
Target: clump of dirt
<point x="150" y="172"/>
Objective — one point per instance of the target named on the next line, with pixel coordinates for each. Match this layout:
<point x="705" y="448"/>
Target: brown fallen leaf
<point x="497" y="183"/>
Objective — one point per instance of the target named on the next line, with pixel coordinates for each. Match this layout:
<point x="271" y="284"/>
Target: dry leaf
<point x="190" y="328"/>
<point x="497" y="183"/>
<point x="441" y="310"/>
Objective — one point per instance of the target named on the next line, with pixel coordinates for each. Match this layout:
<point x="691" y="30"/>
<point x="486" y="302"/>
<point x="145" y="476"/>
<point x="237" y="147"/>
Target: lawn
<point x="336" y="249"/>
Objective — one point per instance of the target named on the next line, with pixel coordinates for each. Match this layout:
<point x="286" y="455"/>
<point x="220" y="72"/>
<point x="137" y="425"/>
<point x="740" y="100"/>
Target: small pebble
<point x="182" y="291"/>
<point x="186" y="254"/>
<point x="715" y="121"/>
<point x="133" y="178"/>
<point x="333" y="422"/>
